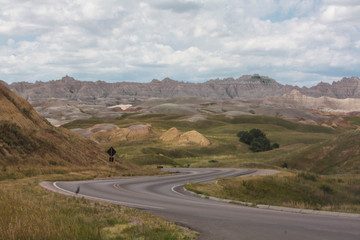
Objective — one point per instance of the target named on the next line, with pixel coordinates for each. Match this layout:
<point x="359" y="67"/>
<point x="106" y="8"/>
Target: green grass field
<point x="298" y="142"/>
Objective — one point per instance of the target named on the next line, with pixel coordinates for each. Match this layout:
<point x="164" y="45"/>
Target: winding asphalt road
<point x="164" y="196"/>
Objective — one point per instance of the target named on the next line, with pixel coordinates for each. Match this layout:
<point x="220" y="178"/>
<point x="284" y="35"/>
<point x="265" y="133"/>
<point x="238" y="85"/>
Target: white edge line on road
<point x="173" y="189"/>
<point x="106" y="200"/>
<point x="202" y="203"/>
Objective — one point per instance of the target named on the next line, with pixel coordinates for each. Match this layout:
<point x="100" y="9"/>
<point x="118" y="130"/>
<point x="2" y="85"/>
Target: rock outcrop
<point x="189" y="138"/>
<point x="101" y="92"/>
<point x="296" y="99"/>
<point x="104" y="133"/>
<point x="245" y="87"/>
<point x="345" y="88"/>
<point x="172" y="134"/>
<point x="194" y="137"/>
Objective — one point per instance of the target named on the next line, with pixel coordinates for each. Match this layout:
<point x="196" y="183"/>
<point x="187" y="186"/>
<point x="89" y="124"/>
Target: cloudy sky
<point x="298" y="42"/>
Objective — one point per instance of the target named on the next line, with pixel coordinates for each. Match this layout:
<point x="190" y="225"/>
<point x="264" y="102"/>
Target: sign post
<point x="111" y="153"/>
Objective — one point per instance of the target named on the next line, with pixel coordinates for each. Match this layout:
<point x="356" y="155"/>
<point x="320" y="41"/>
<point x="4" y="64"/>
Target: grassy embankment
<point x="30" y="212"/>
<point x="290" y="189"/>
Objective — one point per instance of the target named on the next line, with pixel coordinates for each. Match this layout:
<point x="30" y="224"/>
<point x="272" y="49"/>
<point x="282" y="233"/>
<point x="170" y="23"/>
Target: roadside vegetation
<point x="289" y="189"/>
<point x="30" y="212"/>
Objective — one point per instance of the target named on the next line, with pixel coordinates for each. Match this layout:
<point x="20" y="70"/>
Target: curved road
<point x="164" y="196"/>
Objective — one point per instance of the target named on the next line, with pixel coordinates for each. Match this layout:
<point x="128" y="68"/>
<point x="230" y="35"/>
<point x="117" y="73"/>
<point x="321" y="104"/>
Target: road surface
<point x="164" y="196"/>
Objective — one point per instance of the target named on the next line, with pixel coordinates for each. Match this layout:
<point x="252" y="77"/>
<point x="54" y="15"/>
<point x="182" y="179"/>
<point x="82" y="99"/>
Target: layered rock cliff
<point x="245" y="87"/>
<point x="102" y="92"/>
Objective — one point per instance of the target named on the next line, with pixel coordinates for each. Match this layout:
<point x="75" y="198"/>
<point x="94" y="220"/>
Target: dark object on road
<point x="77" y="190"/>
<point x="159" y="167"/>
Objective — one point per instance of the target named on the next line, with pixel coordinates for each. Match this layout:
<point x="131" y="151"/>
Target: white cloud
<point x="185" y="40"/>
<point x="340" y="13"/>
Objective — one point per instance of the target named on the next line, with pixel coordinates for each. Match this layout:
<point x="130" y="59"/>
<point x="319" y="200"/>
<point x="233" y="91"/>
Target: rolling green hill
<point x="337" y="156"/>
<point x="304" y="147"/>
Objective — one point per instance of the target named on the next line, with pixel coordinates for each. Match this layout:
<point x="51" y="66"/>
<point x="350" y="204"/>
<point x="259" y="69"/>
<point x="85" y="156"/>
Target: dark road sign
<point x="111" y="159"/>
<point x="111" y="151"/>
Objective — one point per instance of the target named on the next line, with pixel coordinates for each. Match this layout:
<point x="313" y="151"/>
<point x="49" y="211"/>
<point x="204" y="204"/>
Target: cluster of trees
<point x="257" y="140"/>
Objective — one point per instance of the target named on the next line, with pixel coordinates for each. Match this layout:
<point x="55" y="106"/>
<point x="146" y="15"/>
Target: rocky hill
<point x="101" y="92"/>
<point x="188" y="138"/>
<point x="295" y="99"/>
<point x="27" y="138"/>
<point x="245" y="87"/>
<point x="345" y="88"/>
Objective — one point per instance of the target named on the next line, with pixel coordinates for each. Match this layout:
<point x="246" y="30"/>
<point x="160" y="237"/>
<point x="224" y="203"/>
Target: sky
<point x="297" y="42"/>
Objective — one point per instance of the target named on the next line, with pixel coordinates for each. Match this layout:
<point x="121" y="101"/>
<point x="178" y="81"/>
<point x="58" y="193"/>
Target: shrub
<point x="257" y="133"/>
<point x="213" y="161"/>
<point x="275" y="145"/>
<point x="245" y="137"/>
<point x="260" y="144"/>
<point x="257" y="140"/>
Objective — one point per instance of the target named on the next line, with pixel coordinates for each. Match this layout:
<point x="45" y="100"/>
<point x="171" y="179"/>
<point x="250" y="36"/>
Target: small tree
<point x="257" y="133"/>
<point x="260" y="144"/>
<point x="257" y="140"/>
<point x="245" y="137"/>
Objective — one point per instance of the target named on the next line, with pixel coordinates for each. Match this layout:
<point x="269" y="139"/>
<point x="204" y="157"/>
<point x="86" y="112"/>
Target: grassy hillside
<point x="337" y="156"/>
<point x="225" y="150"/>
<point x="313" y="148"/>
<point x="28" y="139"/>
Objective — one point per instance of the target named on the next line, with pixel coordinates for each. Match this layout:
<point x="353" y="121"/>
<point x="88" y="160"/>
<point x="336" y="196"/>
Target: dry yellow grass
<point x="30" y="212"/>
<point x="26" y="138"/>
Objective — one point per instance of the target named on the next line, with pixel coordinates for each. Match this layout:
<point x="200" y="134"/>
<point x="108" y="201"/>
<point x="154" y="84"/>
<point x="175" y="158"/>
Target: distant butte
<point x="245" y="87"/>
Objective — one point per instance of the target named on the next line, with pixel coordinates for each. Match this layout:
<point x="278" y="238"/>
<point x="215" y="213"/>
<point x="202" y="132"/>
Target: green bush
<point x="257" y="140"/>
<point x="275" y="145"/>
<point x="245" y="137"/>
<point x="257" y="133"/>
<point x="260" y="144"/>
